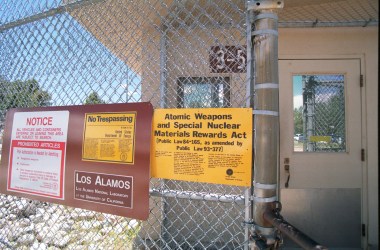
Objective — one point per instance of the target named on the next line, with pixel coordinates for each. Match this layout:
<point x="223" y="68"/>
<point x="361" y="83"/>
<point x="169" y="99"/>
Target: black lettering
<point x="177" y="117"/>
<point x="201" y="116"/>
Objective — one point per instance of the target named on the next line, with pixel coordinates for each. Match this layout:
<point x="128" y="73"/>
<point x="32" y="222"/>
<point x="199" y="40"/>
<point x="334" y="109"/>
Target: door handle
<point x="287" y="171"/>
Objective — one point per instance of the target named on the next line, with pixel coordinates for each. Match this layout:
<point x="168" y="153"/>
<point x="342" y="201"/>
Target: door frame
<point x="363" y="101"/>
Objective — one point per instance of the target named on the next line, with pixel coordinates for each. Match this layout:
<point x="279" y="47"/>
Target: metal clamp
<point x="265" y="15"/>
<point x="265" y="230"/>
<point x="264" y="200"/>
<point x="265" y="112"/>
<point x="265" y="4"/>
<point x="265" y="32"/>
<point x="264" y="186"/>
<point x="266" y="86"/>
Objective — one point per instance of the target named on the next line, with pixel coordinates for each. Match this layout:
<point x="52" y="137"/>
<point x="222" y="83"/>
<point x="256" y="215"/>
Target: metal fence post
<point x="163" y="70"/>
<point x="249" y="103"/>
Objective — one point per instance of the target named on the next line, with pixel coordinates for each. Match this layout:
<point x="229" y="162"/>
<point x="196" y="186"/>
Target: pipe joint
<point x="264" y="237"/>
<point x="301" y="239"/>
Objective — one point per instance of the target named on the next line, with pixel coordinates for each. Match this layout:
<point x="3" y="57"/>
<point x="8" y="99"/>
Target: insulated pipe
<point x="290" y="231"/>
<point x="266" y="126"/>
<point x="266" y="119"/>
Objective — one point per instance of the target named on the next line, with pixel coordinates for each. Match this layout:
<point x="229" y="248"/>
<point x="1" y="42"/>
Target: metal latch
<point x="287" y="171"/>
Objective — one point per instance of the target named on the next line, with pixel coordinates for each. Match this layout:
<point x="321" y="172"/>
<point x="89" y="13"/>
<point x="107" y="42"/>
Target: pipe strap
<point x="265" y="15"/>
<point x="264" y="230"/>
<point x="266" y="86"/>
<point x="264" y="186"/>
<point x="264" y="200"/>
<point x="265" y="32"/>
<point x="265" y="112"/>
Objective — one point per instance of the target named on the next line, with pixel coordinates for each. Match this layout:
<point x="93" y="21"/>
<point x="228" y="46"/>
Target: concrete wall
<point x="348" y="43"/>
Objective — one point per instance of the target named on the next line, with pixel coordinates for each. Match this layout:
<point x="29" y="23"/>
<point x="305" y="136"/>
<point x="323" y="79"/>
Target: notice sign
<point x="37" y="153"/>
<point x="115" y="190"/>
<point x="109" y="137"/>
<point x="203" y="145"/>
<point x="94" y="157"/>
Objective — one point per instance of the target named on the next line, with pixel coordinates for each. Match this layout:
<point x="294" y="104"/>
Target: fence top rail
<point x="191" y="195"/>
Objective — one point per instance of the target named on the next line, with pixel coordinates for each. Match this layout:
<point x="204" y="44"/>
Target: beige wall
<point x="187" y="54"/>
<point x="359" y="43"/>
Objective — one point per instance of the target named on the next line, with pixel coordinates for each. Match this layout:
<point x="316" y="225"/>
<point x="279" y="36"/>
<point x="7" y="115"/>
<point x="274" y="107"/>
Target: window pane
<point x="197" y="95"/>
<point x="203" y="92"/>
<point x="319" y="113"/>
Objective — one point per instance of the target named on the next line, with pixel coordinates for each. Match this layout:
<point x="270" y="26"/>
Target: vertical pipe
<point x="247" y="217"/>
<point x="266" y="122"/>
<point x="310" y="124"/>
<point x="126" y="88"/>
<point x="250" y="65"/>
<point x="163" y="69"/>
<point x="249" y="103"/>
<point x="266" y="127"/>
<point x="163" y="104"/>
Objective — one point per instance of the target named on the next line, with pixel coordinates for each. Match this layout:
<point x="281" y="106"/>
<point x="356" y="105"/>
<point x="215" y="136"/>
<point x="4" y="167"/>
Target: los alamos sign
<point x="94" y="157"/>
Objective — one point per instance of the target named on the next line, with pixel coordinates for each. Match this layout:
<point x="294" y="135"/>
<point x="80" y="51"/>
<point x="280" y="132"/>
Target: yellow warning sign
<point x="109" y="137"/>
<point x="203" y="145"/>
<point x="314" y="138"/>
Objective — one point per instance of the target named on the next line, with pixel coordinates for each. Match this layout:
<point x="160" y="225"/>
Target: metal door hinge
<point x="363" y="154"/>
<point x="361" y="81"/>
<point x="363" y="230"/>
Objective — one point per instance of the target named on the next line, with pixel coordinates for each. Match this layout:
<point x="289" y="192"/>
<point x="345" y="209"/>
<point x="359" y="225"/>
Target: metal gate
<point x="55" y="53"/>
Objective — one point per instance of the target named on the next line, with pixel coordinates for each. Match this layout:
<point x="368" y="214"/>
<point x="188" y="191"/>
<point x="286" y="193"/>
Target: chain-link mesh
<point x="72" y="53"/>
<point x="326" y="13"/>
<point x="321" y="118"/>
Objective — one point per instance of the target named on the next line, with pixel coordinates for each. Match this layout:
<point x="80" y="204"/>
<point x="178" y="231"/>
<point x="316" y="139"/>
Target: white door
<point x="321" y="181"/>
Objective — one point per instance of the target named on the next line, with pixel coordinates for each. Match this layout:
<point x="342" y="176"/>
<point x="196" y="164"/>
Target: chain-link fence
<point x="170" y="53"/>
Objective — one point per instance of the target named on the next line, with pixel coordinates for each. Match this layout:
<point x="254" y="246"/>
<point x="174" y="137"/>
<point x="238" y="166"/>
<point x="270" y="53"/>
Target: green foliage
<point x="21" y="94"/>
<point x="298" y="122"/>
<point x="94" y="98"/>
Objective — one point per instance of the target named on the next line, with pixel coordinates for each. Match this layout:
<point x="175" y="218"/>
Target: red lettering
<point x="39" y="121"/>
<point x="49" y="120"/>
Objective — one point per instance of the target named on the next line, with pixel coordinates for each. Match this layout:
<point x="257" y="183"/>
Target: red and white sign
<point x="37" y="153"/>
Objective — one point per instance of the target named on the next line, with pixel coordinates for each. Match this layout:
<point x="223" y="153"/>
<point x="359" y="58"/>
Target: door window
<point x="319" y="113"/>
